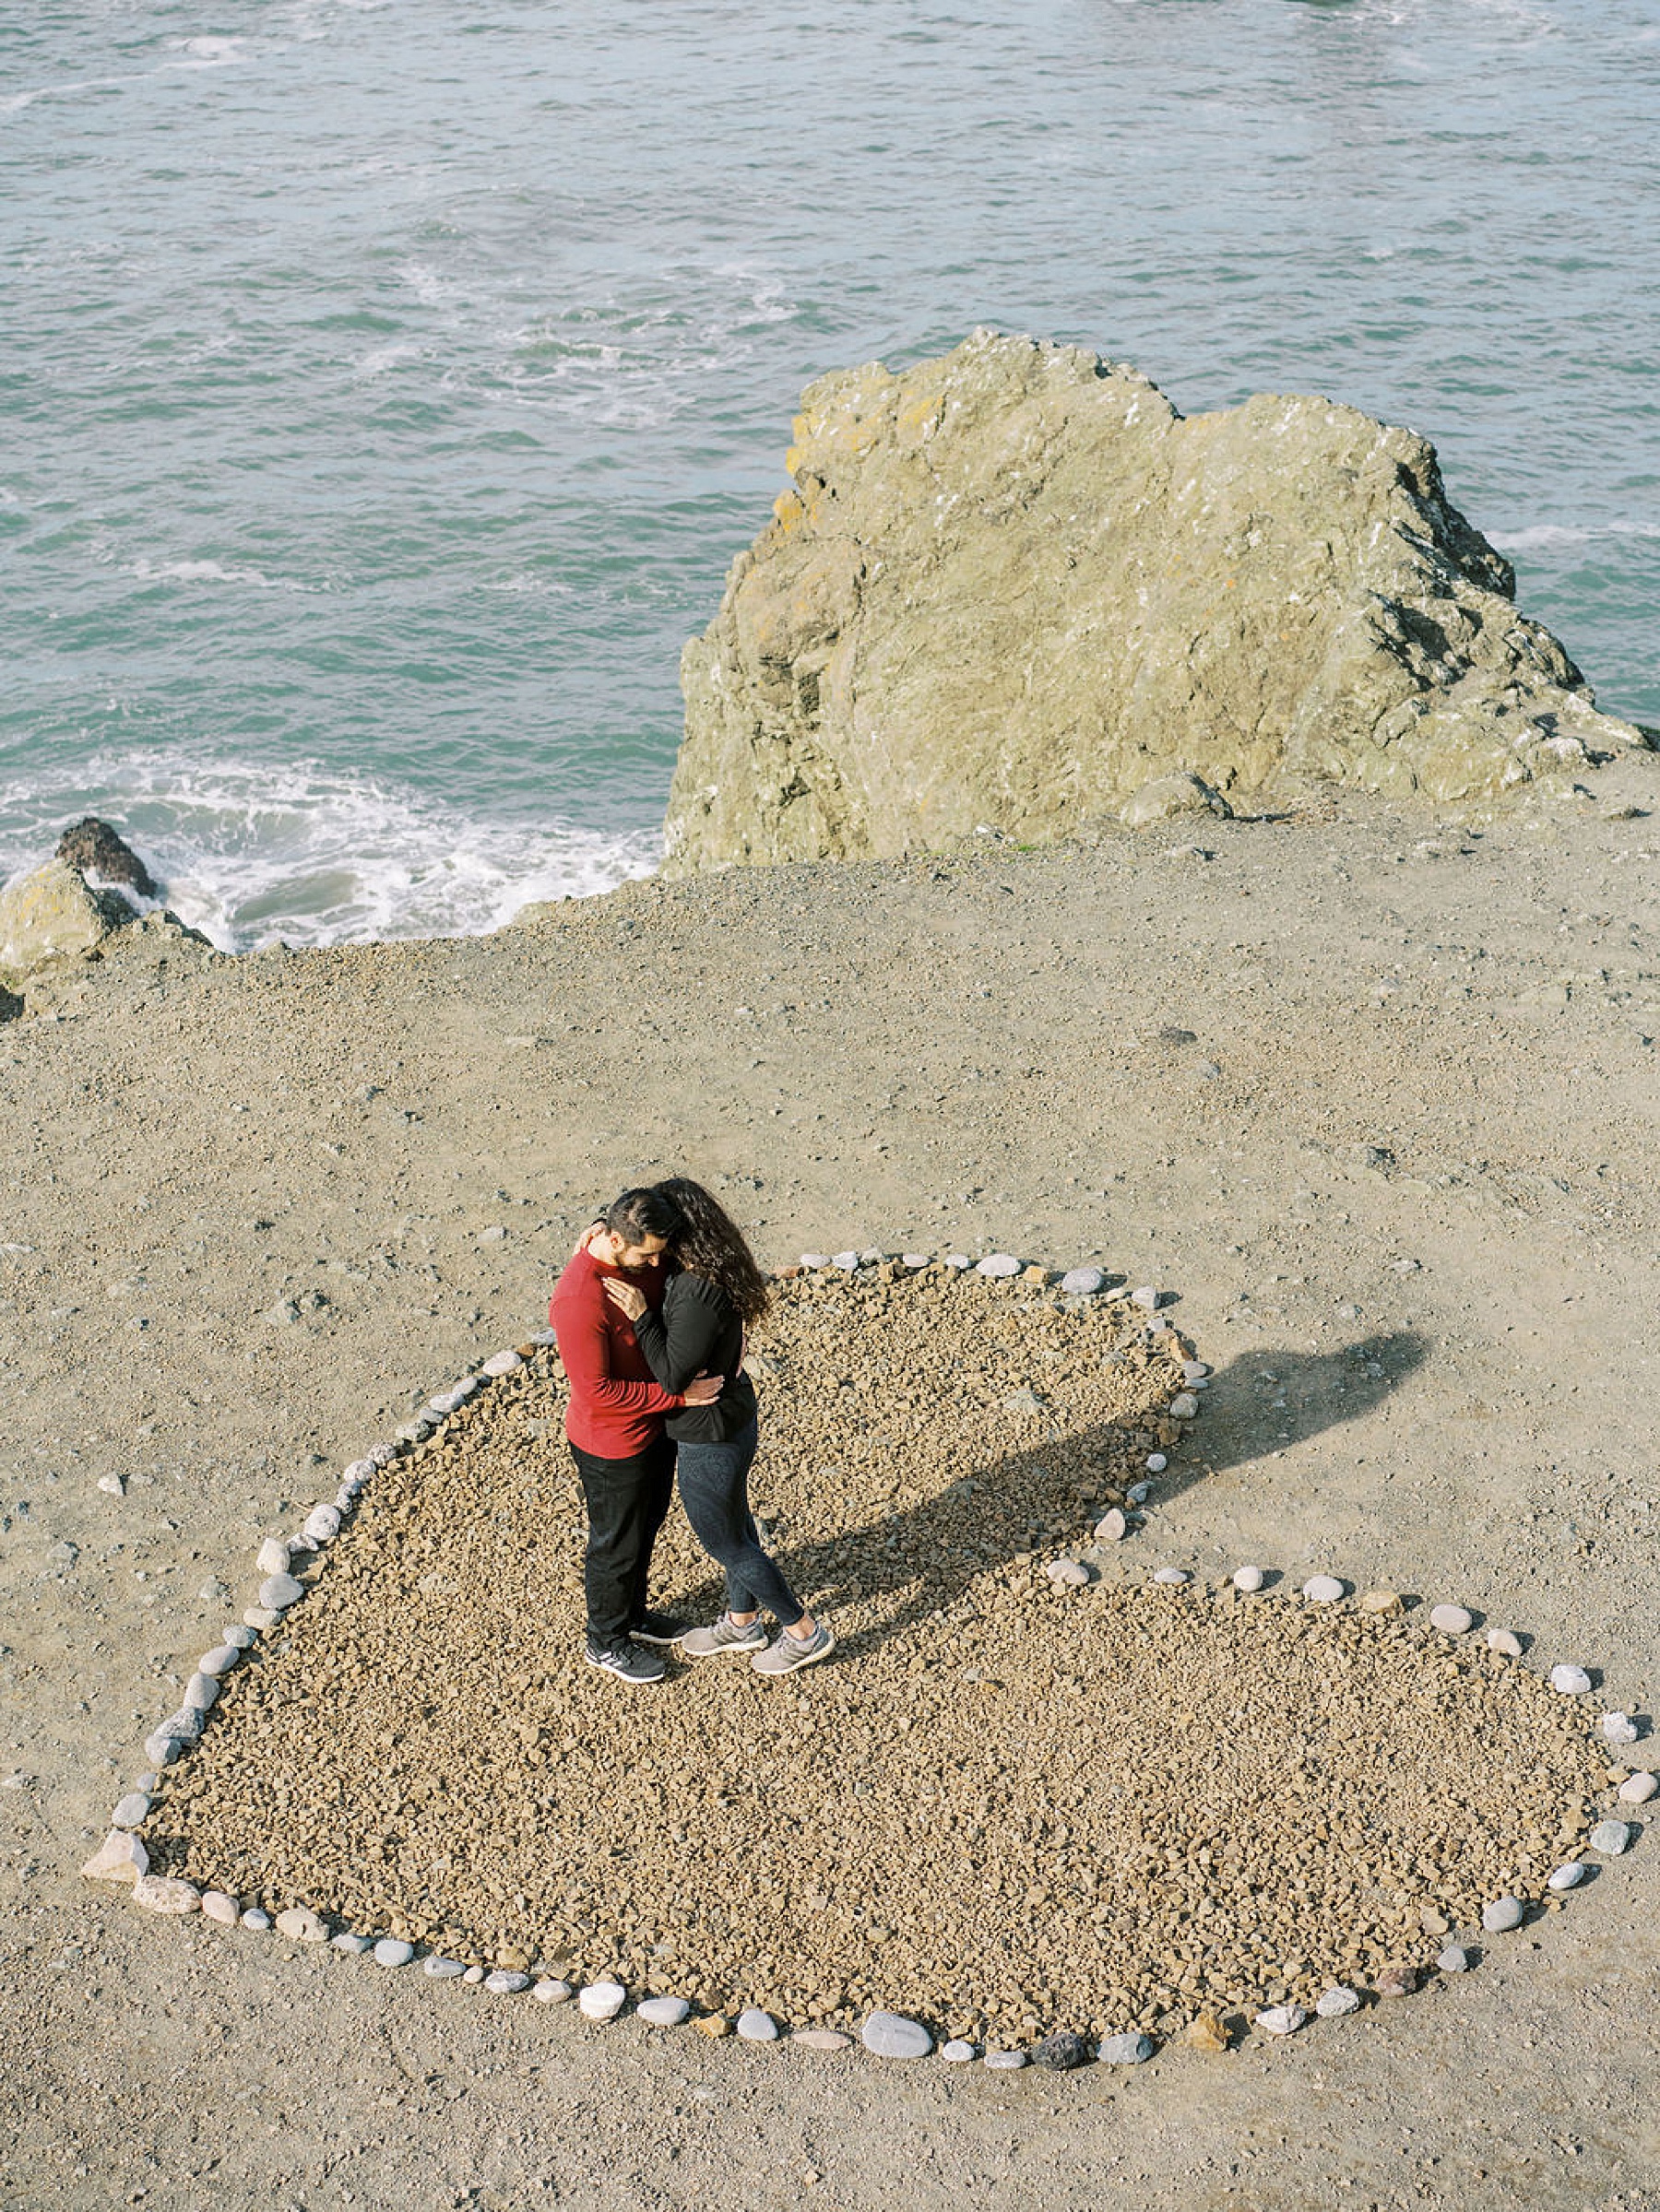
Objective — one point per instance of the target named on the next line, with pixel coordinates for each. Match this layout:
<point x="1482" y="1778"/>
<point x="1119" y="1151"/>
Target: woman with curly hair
<point x="715" y="1293"/>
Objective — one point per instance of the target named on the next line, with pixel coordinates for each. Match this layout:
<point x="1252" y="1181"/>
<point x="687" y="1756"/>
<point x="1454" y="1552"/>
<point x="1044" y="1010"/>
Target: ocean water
<point x="389" y="383"/>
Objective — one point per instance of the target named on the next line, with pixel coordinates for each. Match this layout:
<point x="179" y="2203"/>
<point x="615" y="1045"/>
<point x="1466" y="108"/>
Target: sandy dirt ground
<point x="1400" y="1180"/>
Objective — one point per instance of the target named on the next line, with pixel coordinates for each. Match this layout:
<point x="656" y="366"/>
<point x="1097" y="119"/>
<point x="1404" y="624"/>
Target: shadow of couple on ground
<point x="925" y="1556"/>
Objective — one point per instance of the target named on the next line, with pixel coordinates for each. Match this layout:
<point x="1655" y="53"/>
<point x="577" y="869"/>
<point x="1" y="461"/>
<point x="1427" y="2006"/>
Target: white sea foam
<point x="313" y="854"/>
<point x="209" y="572"/>
<point x="1553" y="537"/>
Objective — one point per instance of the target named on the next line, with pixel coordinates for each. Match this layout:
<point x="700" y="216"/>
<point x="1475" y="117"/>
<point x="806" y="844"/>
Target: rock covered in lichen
<point x="1009" y="587"/>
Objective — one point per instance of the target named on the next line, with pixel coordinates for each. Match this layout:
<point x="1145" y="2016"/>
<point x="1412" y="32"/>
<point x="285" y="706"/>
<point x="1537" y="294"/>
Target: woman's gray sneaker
<point x="788" y="1653"/>
<point x="630" y="1662"/>
<point x="724" y="1636"/>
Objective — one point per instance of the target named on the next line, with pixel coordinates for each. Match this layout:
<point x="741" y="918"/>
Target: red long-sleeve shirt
<point x="616" y="1408"/>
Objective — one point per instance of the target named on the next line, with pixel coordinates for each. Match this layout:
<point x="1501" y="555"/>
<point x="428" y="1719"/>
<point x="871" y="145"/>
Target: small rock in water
<point x="757" y="2026"/>
<point x="956" y="2052"/>
<point x="257" y="1921"/>
<point x="1610" y="1838"/>
<point x="503" y="1363"/>
<point x="601" y="2000"/>
<point x="1184" y="1406"/>
<point x="351" y="1946"/>
<point x="1572" y="1682"/>
<point x="552" y="1992"/>
<point x="1067" y="1574"/>
<point x="1451" y="1620"/>
<point x="891" y="2035"/>
<point x="1322" y="1590"/>
<point x="1454" y="1960"/>
<point x="1637" y="1789"/>
<point x="1062" y="2053"/>
<point x="443" y="1970"/>
<point x="1336" y="2002"/>
<point x="662" y="2012"/>
<point x="392" y="1950"/>
<point x="1248" y="1577"/>
<point x="1082" y="1282"/>
<point x="506" y="1981"/>
<point x="1505" y="1641"/>
<point x="996" y="1264"/>
<point x="217" y="1906"/>
<point x="131" y="1809"/>
<point x="1381" y="1601"/>
<point x="272" y="1557"/>
<point x="1568" y="1875"/>
<point x="1174" y="1575"/>
<point x="821" y="2038"/>
<point x="1157" y="1462"/>
<point x="279" y="1591"/>
<point x="1129" y="2050"/>
<point x="1282" y="2020"/>
<point x="1111" y="1527"/>
<point x="1617" y="1728"/>
<point x="1504" y="1913"/>
<point x="1005" y="2062"/>
<point x="162" y="1893"/>
<point x="299" y="1925"/>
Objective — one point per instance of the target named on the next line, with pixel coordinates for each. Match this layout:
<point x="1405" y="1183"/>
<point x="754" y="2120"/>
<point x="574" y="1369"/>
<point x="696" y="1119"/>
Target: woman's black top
<point x="698" y="1332"/>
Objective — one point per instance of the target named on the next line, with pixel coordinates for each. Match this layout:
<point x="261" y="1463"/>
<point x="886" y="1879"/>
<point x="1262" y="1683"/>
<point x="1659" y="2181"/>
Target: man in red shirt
<point x="614" y="1423"/>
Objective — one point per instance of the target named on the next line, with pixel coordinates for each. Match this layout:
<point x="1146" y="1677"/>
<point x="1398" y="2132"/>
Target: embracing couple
<point x="651" y="1316"/>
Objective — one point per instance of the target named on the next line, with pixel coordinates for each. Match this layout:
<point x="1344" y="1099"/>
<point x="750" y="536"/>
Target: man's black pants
<point x="626" y="1502"/>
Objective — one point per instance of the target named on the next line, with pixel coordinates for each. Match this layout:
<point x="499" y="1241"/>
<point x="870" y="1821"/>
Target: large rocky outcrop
<point x="1013" y="586"/>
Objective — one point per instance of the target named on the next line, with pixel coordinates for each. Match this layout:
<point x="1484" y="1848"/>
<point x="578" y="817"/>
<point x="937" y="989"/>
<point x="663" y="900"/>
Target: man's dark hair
<point x="644" y="1212"/>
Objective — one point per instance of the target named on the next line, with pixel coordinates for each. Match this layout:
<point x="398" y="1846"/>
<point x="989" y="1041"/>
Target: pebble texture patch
<point x="1006" y="1806"/>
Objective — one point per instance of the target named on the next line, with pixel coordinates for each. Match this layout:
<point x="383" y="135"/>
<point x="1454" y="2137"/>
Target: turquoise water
<point x="388" y="386"/>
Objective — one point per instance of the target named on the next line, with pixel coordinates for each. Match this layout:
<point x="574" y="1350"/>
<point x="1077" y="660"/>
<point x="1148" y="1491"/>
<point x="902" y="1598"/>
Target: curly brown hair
<point x="708" y="1242"/>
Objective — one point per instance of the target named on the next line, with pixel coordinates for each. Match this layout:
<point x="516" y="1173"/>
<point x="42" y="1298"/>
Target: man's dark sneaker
<point x="660" y="1628"/>
<point x="629" y="1661"/>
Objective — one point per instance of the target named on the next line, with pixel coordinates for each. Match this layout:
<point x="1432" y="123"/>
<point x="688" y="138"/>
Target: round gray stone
<point x="757" y="2026"/>
<point x="1129" y="2050"/>
<point x="891" y="2035"/>
<point x="1184" y="1406"/>
<point x="1617" y="1728"/>
<point x="663" y="2012"/>
<point x="998" y="1265"/>
<point x="1568" y="1875"/>
<point x="1338" y="2001"/>
<point x="956" y="2052"/>
<point x="131" y="1809"/>
<point x="222" y="1659"/>
<point x="1503" y="1913"/>
<point x="1454" y="1960"/>
<point x="200" y="1692"/>
<point x="1248" y="1578"/>
<point x="392" y="1950"/>
<point x="1083" y="1281"/>
<point x="278" y="1591"/>
<point x="1611" y="1837"/>
<point x="1005" y="2062"/>
<point x="1451" y="1620"/>
<point x="443" y="1970"/>
<point x="1571" y="1681"/>
<point x="255" y="1919"/>
<point x="1322" y="1590"/>
<point x="506" y="1981"/>
<point x="353" y="1946"/>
